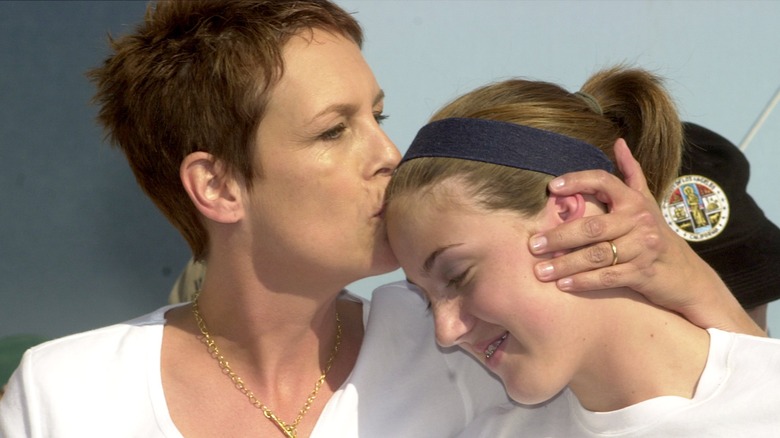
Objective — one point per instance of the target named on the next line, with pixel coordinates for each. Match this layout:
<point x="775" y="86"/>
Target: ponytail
<point x="644" y="114"/>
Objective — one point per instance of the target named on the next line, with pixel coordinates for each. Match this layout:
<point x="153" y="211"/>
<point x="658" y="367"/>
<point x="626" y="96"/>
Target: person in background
<point x="188" y="282"/>
<point x="736" y="239"/>
<point x="604" y="363"/>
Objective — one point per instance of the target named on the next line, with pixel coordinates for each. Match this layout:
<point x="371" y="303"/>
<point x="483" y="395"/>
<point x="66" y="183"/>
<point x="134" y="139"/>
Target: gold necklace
<point x="289" y="430"/>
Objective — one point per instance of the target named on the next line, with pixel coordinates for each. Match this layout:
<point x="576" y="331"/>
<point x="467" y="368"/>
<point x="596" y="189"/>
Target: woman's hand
<point x="651" y="258"/>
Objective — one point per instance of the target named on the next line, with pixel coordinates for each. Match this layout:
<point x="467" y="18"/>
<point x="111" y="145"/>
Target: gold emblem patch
<point x="696" y="208"/>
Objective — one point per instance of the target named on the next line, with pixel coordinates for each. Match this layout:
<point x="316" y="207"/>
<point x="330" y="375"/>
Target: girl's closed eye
<point x="458" y="280"/>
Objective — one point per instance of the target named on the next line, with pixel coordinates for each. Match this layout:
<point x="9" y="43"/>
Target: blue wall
<point x="81" y="247"/>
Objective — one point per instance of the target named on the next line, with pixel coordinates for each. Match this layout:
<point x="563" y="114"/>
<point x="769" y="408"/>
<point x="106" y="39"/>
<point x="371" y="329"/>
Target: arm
<point x="652" y="259"/>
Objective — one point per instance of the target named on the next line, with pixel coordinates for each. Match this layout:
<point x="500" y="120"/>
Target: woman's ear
<point x="215" y="193"/>
<point x="566" y="208"/>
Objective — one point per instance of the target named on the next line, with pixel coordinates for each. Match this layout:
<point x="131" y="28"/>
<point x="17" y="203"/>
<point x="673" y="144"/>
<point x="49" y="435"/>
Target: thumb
<point x="630" y="168"/>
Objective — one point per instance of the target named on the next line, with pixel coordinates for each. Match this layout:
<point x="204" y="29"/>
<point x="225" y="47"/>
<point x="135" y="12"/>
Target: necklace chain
<point x="289" y="430"/>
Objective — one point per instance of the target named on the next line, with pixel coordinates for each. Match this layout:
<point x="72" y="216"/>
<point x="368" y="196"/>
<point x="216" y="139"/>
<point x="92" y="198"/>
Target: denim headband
<point x="507" y="144"/>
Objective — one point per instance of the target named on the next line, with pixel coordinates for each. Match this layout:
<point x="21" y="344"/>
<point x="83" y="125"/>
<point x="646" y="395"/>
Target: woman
<point x="474" y="183"/>
<point x="254" y="127"/>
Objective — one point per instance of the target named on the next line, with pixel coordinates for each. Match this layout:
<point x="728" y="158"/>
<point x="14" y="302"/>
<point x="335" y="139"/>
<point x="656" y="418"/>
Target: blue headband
<point x="507" y="144"/>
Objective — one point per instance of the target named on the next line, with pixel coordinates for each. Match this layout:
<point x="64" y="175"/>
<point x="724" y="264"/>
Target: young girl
<point x="472" y="188"/>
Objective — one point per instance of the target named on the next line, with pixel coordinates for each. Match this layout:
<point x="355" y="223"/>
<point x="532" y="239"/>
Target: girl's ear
<point x="213" y="191"/>
<point x="566" y="208"/>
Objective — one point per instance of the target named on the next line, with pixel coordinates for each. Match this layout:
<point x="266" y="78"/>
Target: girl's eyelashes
<point x="457" y="281"/>
<point x="333" y="133"/>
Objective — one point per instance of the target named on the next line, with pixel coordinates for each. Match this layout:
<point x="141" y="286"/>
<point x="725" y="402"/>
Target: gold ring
<point x="614" y="252"/>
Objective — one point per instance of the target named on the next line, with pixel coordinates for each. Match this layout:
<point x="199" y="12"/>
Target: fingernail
<point x="564" y="283"/>
<point x="544" y="270"/>
<point x="538" y="243"/>
<point x="557" y="183"/>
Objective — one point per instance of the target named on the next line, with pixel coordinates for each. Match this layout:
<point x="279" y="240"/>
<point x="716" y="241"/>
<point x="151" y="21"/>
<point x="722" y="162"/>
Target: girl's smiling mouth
<point x="494" y="346"/>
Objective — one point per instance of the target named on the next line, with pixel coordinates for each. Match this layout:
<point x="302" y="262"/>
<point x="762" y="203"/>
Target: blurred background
<point x="81" y="246"/>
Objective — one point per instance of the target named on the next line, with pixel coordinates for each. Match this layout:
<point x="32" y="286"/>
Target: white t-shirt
<point x="106" y="382"/>
<point x="738" y="395"/>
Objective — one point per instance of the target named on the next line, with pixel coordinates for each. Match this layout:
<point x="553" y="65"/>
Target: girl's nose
<point x="452" y="322"/>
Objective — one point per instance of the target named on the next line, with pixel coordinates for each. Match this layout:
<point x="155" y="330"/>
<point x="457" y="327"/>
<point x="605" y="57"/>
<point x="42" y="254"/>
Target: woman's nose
<point x="388" y="154"/>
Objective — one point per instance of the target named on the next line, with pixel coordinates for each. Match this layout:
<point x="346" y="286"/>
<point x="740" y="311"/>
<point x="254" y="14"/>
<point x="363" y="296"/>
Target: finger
<point x="630" y="168"/>
<point x="628" y="275"/>
<point x="584" y="181"/>
<point x="607" y="278"/>
<point x="595" y="257"/>
<point x="581" y="232"/>
<point x="606" y="187"/>
<point x="584" y="259"/>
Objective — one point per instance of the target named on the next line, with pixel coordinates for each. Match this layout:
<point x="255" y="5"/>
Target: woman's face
<point x="316" y="209"/>
<point x="476" y="270"/>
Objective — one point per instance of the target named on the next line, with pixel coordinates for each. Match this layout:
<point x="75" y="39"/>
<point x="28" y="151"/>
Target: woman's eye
<point x="379" y="117"/>
<point x="333" y="133"/>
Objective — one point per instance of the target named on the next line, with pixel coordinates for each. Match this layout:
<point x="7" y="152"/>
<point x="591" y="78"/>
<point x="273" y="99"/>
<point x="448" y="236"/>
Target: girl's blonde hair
<point x="618" y="102"/>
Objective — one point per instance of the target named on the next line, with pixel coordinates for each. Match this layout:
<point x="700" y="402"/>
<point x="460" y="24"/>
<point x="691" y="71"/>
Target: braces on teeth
<point x="494" y="346"/>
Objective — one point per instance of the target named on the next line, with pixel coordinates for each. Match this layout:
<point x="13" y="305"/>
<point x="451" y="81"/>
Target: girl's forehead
<point x="441" y="198"/>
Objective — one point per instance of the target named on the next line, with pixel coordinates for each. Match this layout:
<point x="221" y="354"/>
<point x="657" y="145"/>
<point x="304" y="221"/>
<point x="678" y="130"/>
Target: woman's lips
<point x="494" y="345"/>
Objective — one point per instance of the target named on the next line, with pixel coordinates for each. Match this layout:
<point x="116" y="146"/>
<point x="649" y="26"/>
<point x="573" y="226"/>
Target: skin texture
<point x="483" y="292"/>
<point x="759" y="315"/>
<point x="279" y="253"/>
<point x="326" y="163"/>
<point x="653" y="260"/>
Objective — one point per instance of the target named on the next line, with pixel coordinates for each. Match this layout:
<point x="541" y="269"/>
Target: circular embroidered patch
<point x="696" y="208"/>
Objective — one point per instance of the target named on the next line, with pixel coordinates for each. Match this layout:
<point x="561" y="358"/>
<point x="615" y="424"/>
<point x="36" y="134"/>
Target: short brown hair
<point x="618" y="102"/>
<point x="195" y="76"/>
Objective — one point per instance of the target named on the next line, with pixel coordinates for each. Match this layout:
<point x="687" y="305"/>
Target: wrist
<point x="723" y="311"/>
